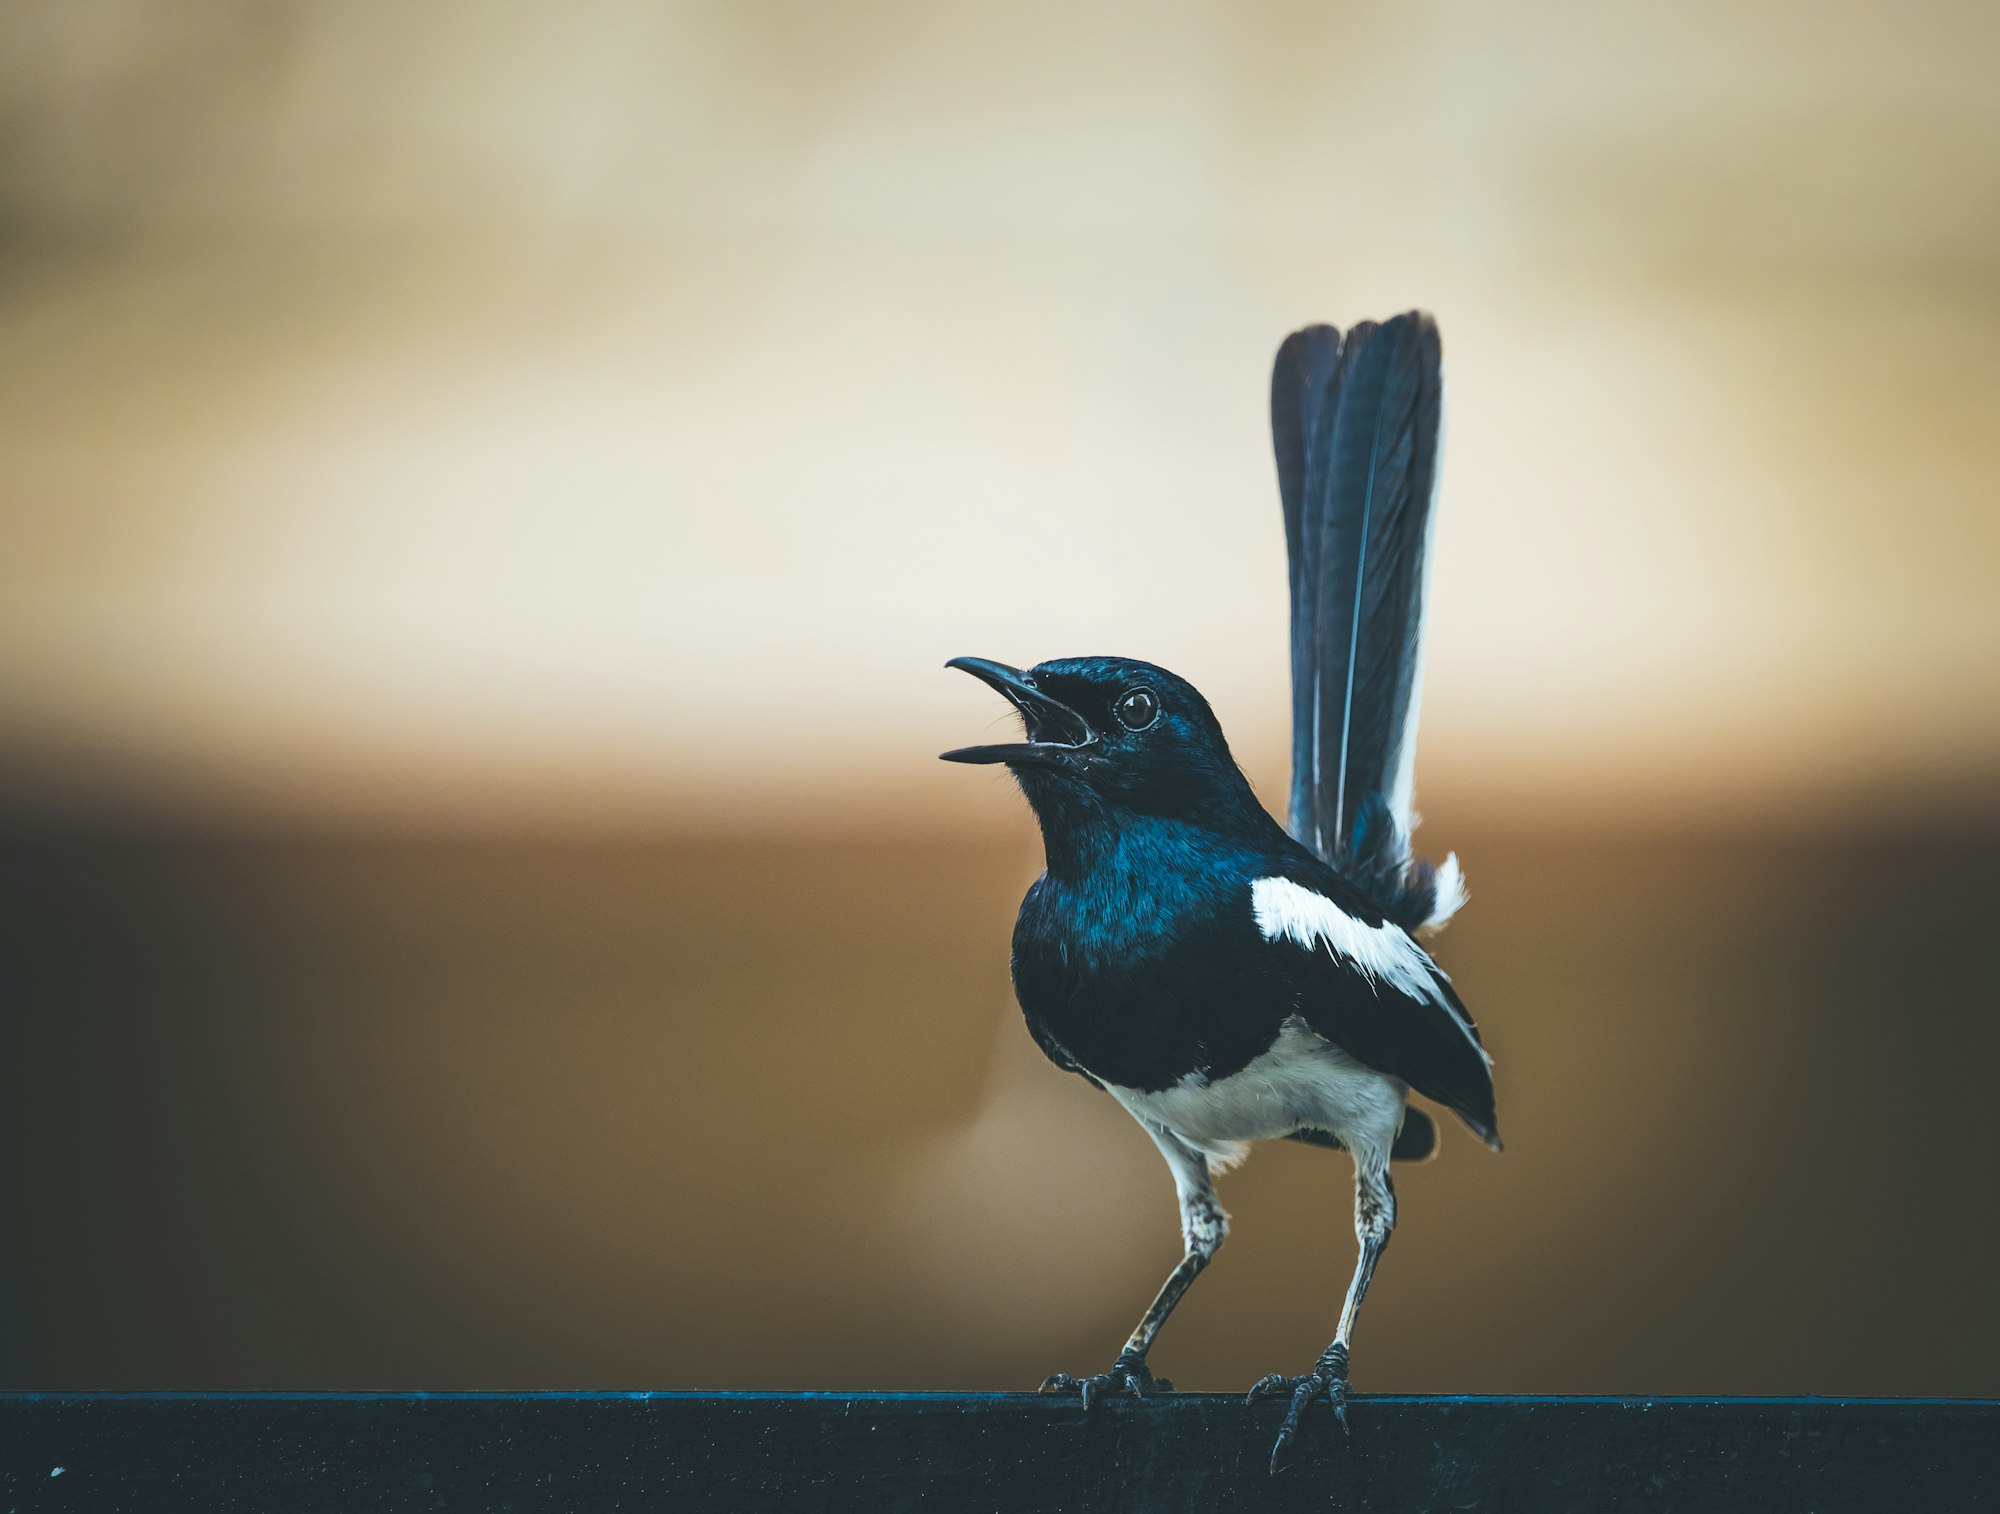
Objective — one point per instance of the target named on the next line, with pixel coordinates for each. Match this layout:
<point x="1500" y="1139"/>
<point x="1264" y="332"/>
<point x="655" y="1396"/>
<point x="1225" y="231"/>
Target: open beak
<point x="1054" y="729"/>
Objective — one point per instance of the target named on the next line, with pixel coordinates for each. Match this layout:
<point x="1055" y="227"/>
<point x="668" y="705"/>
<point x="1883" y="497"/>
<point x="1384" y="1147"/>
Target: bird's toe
<point x="1327" y="1380"/>
<point x="1128" y="1375"/>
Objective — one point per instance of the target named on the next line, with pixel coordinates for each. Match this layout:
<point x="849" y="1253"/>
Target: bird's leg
<point x="1203" y="1225"/>
<point x="1374" y="1218"/>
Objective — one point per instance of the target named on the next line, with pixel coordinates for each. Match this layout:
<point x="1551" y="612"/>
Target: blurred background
<point x="485" y="494"/>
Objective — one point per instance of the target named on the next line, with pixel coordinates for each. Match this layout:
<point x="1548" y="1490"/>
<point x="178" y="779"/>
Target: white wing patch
<point x="1382" y="952"/>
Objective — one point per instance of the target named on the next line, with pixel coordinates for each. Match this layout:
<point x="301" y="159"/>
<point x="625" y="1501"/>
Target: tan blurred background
<point x="485" y="492"/>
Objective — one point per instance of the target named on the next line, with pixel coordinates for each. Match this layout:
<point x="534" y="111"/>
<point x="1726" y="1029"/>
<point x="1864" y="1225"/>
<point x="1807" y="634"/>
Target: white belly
<point x="1303" y="1082"/>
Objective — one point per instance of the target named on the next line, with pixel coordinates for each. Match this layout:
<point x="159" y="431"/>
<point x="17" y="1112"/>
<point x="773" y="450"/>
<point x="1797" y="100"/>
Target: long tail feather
<point x="1355" y="423"/>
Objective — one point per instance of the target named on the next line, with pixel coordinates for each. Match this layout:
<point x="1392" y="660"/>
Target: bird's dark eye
<point x="1137" y="708"/>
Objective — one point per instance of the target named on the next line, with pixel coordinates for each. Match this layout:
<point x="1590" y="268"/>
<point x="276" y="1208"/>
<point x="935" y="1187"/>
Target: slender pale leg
<point x="1203" y="1226"/>
<point x="1374" y="1219"/>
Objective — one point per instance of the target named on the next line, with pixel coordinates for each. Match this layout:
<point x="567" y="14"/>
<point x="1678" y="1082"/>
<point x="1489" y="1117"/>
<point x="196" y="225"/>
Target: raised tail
<point x="1356" y="424"/>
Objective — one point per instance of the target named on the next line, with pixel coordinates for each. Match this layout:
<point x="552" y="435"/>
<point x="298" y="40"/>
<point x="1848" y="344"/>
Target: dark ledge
<point x="999" y="1452"/>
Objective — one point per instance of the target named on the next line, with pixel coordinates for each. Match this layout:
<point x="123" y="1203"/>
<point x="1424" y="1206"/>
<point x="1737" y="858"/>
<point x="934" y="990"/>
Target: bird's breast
<point x="1146" y="989"/>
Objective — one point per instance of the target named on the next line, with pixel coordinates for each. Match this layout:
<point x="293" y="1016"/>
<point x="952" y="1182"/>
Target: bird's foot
<point x="1129" y="1374"/>
<point x="1328" y="1378"/>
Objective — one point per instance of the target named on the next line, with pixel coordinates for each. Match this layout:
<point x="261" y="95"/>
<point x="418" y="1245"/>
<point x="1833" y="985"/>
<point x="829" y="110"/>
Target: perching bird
<point x="1224" y="981"/>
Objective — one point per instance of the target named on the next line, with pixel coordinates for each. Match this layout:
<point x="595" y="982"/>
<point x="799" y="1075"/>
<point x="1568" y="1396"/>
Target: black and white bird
<point x="1227" y="982"/>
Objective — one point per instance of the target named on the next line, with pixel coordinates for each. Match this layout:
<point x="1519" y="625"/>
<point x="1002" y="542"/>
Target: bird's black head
<point x="1111" y="734"/>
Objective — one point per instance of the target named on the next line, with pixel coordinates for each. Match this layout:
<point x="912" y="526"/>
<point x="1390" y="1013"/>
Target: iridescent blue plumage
<point x="1226" y="981"/>
<point x="1138" y="958"/>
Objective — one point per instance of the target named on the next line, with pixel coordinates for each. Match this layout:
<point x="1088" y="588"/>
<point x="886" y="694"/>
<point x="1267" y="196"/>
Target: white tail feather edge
<point x="1448" y="900"/>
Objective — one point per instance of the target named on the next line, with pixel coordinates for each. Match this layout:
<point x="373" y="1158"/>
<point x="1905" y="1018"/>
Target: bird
<point x="1227" y="979"/>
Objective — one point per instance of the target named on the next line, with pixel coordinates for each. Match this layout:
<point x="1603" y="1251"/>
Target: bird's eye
<point x="1137" y="708"/>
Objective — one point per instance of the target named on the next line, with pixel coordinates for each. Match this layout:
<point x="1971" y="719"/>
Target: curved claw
<point x="1265" y="1386"/>
<point x="1328" y="1379"/>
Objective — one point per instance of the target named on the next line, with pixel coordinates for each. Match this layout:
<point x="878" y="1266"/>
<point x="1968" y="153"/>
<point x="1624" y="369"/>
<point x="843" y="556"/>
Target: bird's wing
<point x="1355" y="422"/>
<point x="1367" y="987"/>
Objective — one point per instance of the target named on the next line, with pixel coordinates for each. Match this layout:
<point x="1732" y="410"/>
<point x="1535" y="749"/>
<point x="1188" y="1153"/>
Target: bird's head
<point x="1110" y="734"/>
